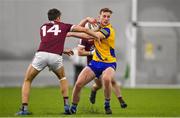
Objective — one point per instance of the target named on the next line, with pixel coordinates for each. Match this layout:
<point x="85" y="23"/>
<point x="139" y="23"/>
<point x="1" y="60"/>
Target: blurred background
<point x="147" y="39"/>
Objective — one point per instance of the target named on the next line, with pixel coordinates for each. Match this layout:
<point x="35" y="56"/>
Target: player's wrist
<point x="91" y="52"/>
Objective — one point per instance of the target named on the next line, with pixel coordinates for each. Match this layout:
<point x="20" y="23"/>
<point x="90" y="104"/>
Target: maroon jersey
<point x="53" y="36"/>
<point x="89" y="45"/>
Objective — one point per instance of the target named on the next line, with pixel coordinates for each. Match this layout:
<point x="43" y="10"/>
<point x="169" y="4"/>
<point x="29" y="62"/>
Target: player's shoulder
<point x="110" y="27"/>
<point x="63" y="23"/>
<point x="107" y="30"/>
<point x="56" y="23"/>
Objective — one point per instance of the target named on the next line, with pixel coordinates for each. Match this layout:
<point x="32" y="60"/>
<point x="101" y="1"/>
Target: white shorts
<point x="43" y="59"/>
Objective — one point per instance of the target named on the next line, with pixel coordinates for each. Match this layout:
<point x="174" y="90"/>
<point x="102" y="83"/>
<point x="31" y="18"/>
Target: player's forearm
<point x="83" y="53"/>
<point x="79" y="35"/>
<point x="77" y="28"/>
<point x="92" y="33"/>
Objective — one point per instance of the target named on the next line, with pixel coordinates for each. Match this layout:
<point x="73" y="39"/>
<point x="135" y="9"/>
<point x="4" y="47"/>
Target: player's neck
<point x="57" y="20"/>
<point x="105" y="25"/>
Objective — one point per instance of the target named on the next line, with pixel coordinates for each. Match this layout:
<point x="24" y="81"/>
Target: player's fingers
<point x="94" y="21"/>
<point x="69" y="54"/>
<point x="72" y="53"/>
<point x="99" y="41"/>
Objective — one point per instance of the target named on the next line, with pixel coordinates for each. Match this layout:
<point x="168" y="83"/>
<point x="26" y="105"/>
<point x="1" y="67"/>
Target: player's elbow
<point x="68" y="34"/>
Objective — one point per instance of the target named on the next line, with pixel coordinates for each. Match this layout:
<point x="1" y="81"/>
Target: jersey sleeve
<point x="105" y="32"/>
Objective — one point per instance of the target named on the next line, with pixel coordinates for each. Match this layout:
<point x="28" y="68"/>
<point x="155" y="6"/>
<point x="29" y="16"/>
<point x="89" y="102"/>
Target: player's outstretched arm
<point x="77" y="28"/>
<point x="79" y="35"/>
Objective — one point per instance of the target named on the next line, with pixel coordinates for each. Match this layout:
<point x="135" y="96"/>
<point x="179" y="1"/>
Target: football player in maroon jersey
<point x="49" y="54"/>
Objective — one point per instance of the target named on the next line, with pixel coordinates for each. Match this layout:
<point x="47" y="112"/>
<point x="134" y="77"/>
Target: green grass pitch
<point x="47" y="102"/>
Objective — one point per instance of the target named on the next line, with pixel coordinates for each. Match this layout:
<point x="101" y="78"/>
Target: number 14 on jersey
<point x="54" y="29"/>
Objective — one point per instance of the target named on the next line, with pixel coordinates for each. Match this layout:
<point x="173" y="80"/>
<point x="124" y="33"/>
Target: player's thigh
<point x="85" y="76"/>
<point x="108" y="73"/>
<point x="31" y="73"/>
<point x="113" y="81"/>
<point x="60" y="73"/>
<point x="98" y="81"/>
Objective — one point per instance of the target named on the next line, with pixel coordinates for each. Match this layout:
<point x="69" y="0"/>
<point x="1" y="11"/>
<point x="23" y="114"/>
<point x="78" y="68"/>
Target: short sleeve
<point x="105" y="32"/>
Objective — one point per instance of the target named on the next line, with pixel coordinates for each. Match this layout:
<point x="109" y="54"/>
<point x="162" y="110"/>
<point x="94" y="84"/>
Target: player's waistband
<point x="50" y="52"/>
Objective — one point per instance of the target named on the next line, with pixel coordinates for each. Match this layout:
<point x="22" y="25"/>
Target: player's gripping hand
<point x="68" y="52"/>
<point x="98" y="39"/>
<point x="91" y="20"/>
<point x="91" y="52"/>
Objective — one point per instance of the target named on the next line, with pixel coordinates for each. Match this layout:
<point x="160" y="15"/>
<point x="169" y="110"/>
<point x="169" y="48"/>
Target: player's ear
<point x="59" y="18"/>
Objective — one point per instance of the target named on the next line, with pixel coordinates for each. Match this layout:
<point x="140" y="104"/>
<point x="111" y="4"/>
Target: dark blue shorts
<point x="99" y="67"/>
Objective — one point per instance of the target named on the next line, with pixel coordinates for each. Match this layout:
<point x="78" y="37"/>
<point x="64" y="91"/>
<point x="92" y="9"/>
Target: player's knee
<point x="106" y="79"/>
<point x="97" y="86"/>
<point x="113" y="82"/>
<point x="62" y="78"/>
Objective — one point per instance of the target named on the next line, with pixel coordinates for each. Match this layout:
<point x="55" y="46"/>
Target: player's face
<point x="105" y="18"/>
